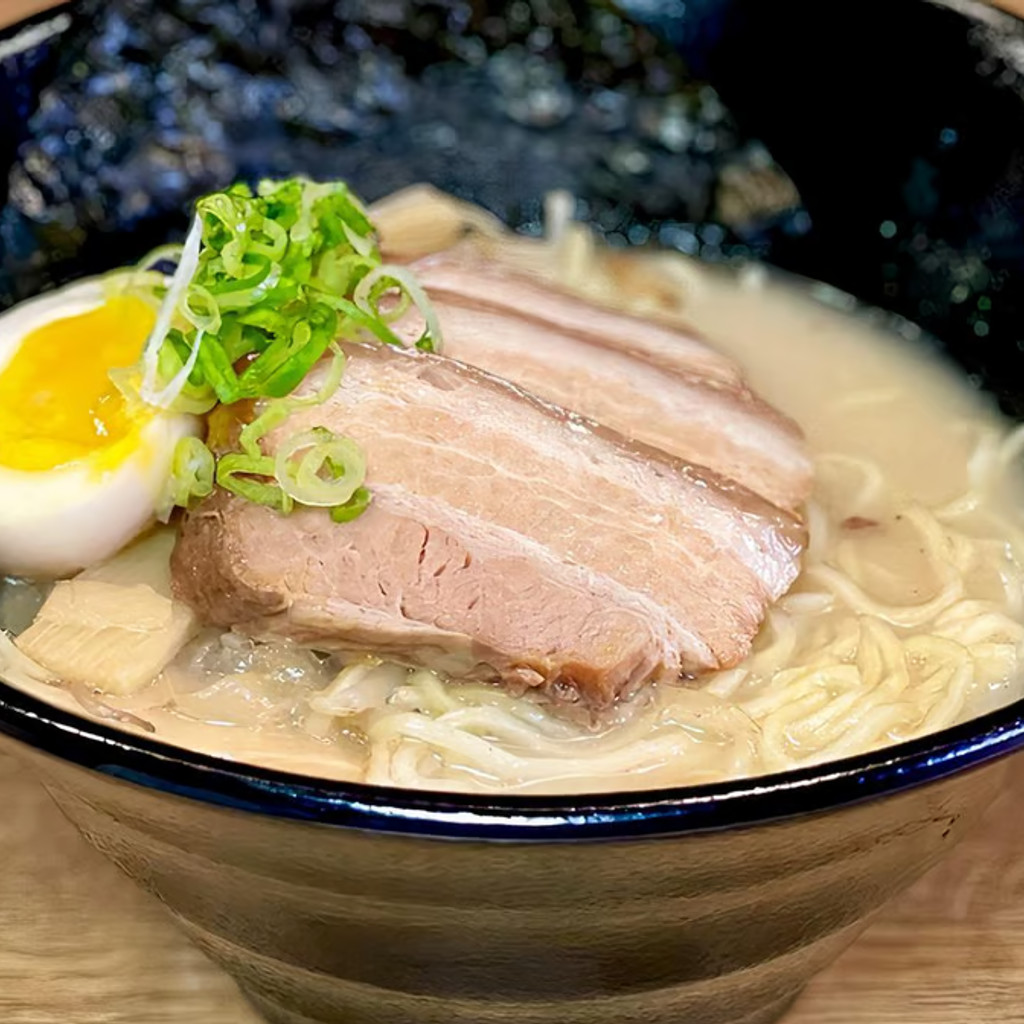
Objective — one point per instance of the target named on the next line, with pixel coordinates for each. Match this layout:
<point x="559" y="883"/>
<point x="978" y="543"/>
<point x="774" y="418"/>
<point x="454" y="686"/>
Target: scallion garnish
<point x="192" y="475"/>
<point x="250" y="476"/>
<point x="354" y="507"/>
<point x="266" y="282"/>
<point x="320" y="469"/>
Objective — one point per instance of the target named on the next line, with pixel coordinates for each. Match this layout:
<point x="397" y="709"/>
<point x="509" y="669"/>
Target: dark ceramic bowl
<point x="339" y="903"/>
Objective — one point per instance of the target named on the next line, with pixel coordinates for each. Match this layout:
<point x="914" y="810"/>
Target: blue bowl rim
<point x="628" y="814"/>
<point x="632" y="814"/>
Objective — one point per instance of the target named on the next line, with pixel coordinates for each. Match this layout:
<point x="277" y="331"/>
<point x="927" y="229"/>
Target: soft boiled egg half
<point x="81" y="472"/>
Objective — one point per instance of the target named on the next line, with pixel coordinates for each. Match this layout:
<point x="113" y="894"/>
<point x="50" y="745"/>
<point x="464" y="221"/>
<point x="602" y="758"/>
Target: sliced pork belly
<point x="643" y="379"/>
<point x="508" y="539"/>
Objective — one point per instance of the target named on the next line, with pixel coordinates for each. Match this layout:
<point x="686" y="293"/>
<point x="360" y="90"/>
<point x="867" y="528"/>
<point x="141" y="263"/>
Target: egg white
<point x="55" y="522"/>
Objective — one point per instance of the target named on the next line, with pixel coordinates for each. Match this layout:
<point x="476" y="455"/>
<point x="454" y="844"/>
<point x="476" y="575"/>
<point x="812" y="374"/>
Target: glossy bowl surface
<point x="328" y="925"/>
<point x="333" y="902"/>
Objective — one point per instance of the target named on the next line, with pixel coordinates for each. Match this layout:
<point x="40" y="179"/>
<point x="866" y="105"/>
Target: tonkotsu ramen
<point x="398" y="496"/>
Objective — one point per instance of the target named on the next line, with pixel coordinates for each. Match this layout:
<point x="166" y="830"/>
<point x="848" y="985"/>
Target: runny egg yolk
<point x="57" y="403"/>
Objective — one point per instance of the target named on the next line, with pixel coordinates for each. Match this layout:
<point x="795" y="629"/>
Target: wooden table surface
<point x="79" y="945"/>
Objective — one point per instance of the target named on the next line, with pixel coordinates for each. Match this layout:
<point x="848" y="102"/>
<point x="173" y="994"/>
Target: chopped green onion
<point x="360" y="319"/>
<point x="332" y="381"/>
<point x="329" y="472"/>
<point x="168" y="396"/>
<point x="201" y="310"/>
<point x="387" y="279"/>
<point x="268" y="278"/>
<point x="266" y="281"/>
<point x="354" y="507"/>
<point x="250" y="476"/>
<point x="272" y="416"/>
<point x="192" y="473"/>
<point x="275" y="412"/>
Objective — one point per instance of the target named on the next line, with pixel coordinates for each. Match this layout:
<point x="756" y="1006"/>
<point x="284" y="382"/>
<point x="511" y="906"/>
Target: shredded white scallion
<point x="150" y="390"/>
<point x="164" y="398"/>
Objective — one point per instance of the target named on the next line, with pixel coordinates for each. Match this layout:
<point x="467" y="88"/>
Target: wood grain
<point x="80" y="945"/>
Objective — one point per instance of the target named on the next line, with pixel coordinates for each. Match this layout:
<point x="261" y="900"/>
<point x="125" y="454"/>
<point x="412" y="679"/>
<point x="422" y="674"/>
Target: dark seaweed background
<point x="899" y="125"/>
<point x="148" y="105"/>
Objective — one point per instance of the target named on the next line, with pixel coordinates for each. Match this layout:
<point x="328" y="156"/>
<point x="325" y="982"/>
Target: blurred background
<point x="891" y="166"/>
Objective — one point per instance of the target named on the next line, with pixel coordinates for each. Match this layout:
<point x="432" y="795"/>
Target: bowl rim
<point x="681" y="810"/>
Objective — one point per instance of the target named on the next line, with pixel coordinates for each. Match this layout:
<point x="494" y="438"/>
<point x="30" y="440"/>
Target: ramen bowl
<point x="332" y="902"/>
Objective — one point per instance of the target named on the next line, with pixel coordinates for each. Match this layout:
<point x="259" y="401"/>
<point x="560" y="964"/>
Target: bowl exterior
<point x="324" y="925"/>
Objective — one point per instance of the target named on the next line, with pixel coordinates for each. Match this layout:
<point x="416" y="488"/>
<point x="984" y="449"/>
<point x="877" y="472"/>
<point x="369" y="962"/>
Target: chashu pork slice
<point x="646" y="380"/>
<point x="508" y="539"/>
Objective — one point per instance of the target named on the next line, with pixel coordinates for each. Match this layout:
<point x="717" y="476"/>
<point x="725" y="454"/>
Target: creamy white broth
<point x="853" y="388"/>
<point x="907" y="618"/>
